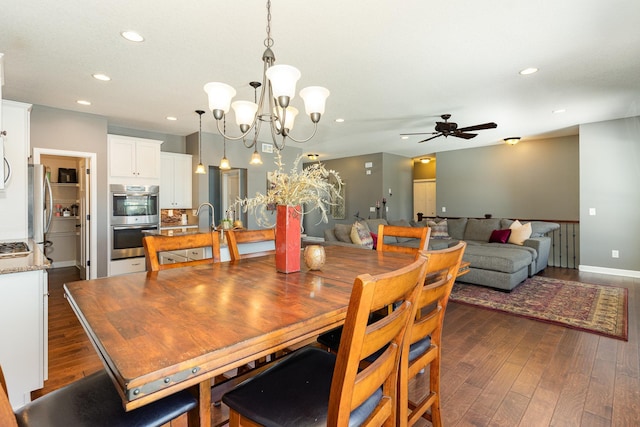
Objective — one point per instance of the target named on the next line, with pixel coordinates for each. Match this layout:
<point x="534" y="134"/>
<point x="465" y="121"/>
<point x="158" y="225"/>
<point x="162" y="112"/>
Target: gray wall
<point x="362" y="190"/>
<point x="536" y="179"/>
<point x="65" y="130"/>
<point x="239" y="157"/>
<point x="609" y="179"/>
<point x="171" y="143"/>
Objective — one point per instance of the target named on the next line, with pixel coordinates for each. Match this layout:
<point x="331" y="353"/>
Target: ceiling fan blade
<point x="429" y="139"/>
<point x="478" y="127"/>
<point x="418" y="133"/>
<point x="463" y="135"/>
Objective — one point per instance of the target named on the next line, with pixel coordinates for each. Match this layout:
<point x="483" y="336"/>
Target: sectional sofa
<point x="494" y="260"/>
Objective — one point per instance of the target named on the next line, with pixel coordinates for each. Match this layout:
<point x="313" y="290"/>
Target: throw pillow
<point x="343" y="232"/>
<point x="374" y="236"/>
<point x="360" y="235"/>
<point x="439" y="230"/>
<point x="519" y="232"/>
<point x="500" y="236"/>
<point x="401" y="223"/>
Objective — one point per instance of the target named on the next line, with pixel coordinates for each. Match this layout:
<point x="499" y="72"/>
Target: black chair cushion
<point x="294" y="392"/>
<point x="94" y="402"/>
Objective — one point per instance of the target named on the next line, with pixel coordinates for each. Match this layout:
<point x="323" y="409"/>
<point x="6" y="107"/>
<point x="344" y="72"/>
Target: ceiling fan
<point x="447" y="128"/>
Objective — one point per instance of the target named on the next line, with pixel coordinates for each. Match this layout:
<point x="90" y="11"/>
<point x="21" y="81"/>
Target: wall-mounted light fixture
<point x="512" y="140"/>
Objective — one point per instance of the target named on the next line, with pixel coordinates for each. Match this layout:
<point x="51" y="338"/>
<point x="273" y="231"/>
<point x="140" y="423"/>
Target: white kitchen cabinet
<point x="23" y="316"/>
<point x="16" y="119"/>
<point x="126" y="266"/>
<point x="184" y="255"/>
<point x="133" y="160"/>
<point x="175" y="181"/>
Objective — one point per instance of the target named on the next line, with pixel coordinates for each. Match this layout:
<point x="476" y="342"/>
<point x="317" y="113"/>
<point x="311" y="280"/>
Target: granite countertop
<point x="32" y="262"/>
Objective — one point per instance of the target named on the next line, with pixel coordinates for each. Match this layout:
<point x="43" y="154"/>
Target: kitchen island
<point x="23" y="323"/>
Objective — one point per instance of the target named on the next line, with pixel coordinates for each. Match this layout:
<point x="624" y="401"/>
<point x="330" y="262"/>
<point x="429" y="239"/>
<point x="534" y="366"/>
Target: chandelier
<point x="278" y="89"/>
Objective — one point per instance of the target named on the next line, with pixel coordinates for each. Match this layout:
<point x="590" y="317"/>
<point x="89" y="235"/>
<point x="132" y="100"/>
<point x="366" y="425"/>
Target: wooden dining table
<point x="161" y="332"/>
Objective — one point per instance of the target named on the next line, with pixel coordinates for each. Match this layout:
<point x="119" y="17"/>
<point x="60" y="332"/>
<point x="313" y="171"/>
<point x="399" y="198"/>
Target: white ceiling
<point x="392" y="66"/>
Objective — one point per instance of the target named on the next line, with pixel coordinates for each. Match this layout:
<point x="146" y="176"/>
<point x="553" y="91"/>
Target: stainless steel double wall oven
<point x="134" y="210"/>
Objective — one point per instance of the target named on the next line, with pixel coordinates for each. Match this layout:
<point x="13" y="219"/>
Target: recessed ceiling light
<point x="132" y="36"/>
<point x="559" y="110"/>
<point x="102" y="77"/>
<point x="404" y="137"/>
<point x="83" y="102"/>
<point x="171" y="118"/>
<point x="339" y="120"/>
<point x="529" y="70"/>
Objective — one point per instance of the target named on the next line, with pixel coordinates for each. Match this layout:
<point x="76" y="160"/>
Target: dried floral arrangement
<point x="311" y="188"/>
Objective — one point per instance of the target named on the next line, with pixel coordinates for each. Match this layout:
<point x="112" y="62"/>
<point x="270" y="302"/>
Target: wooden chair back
<point x="239" y="237"/>
<point x="442" y="269"/>
<point x="350" y="385"/>
<point x="158" y="243"/>
<point x="7" y="417"/>
<point x="421" y="233"/>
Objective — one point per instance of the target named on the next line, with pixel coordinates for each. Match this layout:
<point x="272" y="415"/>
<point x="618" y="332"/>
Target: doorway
<point x="72" y="233"/>
<point x="225" y="187"/>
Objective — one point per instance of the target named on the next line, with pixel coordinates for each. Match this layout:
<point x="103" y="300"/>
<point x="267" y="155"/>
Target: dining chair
<point x="240" y="237"/>
<point x="421" y="233"/>
<point x="316" y="387"/>
<point x="423" y="346"/>
<point x="91" y="402"/>
<point x="331" y="339"/>
<point x="155" y="243"/>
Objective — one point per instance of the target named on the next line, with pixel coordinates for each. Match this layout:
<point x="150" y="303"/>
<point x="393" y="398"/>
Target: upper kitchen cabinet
<point x="134" y="160"/>
<point x="175" y="181"/>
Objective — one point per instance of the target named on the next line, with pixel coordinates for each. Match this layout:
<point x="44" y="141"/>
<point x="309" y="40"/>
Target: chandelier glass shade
<point x="278" y="89"/>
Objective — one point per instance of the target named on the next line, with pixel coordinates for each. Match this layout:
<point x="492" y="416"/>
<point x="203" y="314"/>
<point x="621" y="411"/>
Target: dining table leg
<point x="200" y="416"/>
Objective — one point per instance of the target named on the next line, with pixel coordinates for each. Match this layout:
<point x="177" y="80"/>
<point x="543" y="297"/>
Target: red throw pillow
<point x="500" y="236"/>
<point x="374" y="236"/>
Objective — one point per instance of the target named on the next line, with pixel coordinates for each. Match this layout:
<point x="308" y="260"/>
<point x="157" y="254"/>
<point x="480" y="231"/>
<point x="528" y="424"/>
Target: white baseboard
<point x="609" y="271"/>
<point x="58" y="264"/>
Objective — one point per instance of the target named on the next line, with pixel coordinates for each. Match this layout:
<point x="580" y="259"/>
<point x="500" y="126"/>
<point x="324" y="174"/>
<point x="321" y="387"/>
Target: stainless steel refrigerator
<point x="40" y="205"/>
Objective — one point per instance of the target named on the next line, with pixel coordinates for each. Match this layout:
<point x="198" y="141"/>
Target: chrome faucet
<point x="213" y="225"/>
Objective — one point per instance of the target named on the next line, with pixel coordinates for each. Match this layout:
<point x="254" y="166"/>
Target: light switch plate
<point x="592" y="211"/>
<point x="372" y="209"/>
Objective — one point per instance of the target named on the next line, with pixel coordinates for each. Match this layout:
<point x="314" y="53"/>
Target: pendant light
<point x="224" y="162"/>
<point x="255" y="157"/>
<point x="200" y="169"/>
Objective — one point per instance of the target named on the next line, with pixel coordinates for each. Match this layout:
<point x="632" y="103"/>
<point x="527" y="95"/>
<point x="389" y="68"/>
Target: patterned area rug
<point x="597" y="309"/>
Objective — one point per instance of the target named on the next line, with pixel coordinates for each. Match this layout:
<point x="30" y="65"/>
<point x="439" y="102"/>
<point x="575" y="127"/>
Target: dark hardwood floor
<point x="498" y="369"/>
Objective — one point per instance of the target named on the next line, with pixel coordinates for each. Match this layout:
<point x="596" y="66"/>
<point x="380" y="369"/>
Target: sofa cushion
<point x="497" y="258"/>
<point x="541" y="228"/>
<point x="373" y="226"/>
<point x="401" y="223"/>
<point x="439" y="230"/>
<point x="480" y="229"/>
<point x="360" y="234"/>
<point x="538" y="228"/>
<point x="500" y="236"/>
<point x="343" y="232"/>
<point x="456" y="227"/>
<point x="519" y="232"/>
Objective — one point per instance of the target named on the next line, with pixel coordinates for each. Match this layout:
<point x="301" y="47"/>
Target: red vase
<point x="288" y="238"/>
